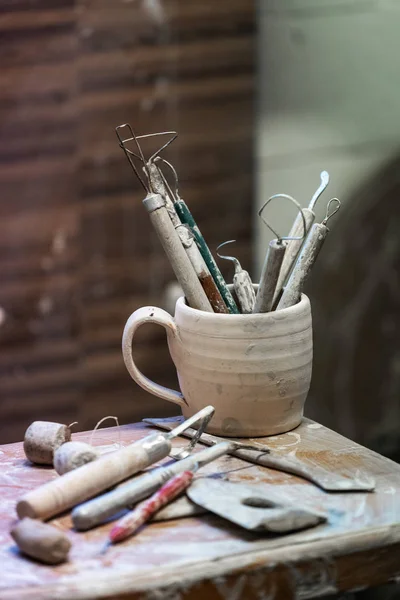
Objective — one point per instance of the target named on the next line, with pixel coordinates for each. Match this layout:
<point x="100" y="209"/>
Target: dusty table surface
<point x="205" y="556"/>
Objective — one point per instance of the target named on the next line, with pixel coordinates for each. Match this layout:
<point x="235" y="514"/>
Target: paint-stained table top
<point x="205" y="556"/>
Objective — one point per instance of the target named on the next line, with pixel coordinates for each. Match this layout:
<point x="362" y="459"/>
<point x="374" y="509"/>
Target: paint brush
<point x="130" y="523"/>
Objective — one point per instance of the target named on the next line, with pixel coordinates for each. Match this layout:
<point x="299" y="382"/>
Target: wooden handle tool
<point x="269" y="276"/>
<point x="169" y="238"/>
<point x="308" y="256"/>
<point x="276" y="253"/>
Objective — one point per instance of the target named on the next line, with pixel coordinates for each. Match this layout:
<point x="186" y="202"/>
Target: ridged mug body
<point x="254" y="369"/>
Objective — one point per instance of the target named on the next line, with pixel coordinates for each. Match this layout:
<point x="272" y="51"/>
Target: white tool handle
<point x="308" y="256"/>
<point x="169" y="238"/>
<point x="87" y="481"/>
<point x="293" y="248"/>
<point x="269" y="276"/>
<point x="244" y="291"/>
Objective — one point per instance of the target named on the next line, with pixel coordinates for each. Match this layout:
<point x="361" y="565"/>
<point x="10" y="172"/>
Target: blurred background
<point x="264" y="96"/>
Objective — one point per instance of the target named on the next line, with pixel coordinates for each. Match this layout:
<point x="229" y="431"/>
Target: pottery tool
<point x="41" y="440"/>
<point x="308" y="256"/>
<point x="94" y="477"/>
<point x="323" y="478"/>
<point x="275" y="255"/>
<point x="41" y="541"/>
<point x="249" y="506"/>
<point x="200" y="268"/>
<point x="293" y="247"/>
<point x="182" y="267"/>
<point x="130" y="523"/>
<point x="156" y="185"/>
<point x="164" y="221"/>
<point x="100" y="509"/>
<point x="242" y="283"/>
<point x="187" y="218"/>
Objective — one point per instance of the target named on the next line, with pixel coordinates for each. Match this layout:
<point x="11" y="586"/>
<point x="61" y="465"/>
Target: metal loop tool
<point x="274" y="258"/>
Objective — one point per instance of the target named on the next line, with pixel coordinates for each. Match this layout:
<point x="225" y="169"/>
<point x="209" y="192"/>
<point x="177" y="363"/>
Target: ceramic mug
<point x="255" y="369"/>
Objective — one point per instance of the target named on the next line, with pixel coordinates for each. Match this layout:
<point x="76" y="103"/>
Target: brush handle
<point x="129" y="524"/>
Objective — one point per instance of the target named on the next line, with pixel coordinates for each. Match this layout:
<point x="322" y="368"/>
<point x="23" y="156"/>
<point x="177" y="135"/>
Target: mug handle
<point x="149" y="314"/>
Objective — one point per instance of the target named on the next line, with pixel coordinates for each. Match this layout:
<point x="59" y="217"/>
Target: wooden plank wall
<point x="77" y="254"/>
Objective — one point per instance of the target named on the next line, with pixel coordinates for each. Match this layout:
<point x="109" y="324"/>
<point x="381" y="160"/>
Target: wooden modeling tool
<point x="297" y="235"/>
<point x="275" y="255"/>
<point x="87" y="481"/>
<point x="130" y="523"/>
<point x="176" y="253"/>
<point x="242" y="283"/>
<point x="100" y="509"/>
<point x="308" y="256"/>
<point x="326" y="480"/>
<point x="250" y="506"/>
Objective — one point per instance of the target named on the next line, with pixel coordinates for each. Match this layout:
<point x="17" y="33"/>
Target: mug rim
<point x="298" y="307"/>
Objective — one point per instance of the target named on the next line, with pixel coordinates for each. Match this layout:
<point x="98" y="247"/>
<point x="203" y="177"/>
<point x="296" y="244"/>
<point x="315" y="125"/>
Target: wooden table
<point x="205" y="556"/>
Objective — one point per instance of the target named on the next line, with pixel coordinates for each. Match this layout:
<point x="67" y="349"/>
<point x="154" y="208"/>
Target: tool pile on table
<point x="288" y="262"/>
<point x="85" y="476"/>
